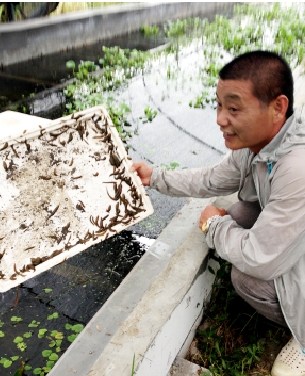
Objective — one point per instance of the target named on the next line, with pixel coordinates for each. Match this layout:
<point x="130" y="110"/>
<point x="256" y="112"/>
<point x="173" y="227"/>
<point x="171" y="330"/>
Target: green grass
<point x="234" y="339"/>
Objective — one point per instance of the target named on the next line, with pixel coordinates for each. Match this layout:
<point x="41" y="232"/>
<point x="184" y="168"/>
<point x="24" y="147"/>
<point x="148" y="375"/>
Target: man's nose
<point x="222" y="119"/>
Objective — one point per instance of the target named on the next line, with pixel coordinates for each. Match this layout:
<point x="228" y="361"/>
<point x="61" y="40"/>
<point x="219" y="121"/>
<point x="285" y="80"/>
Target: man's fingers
<point x="135" y="166"/>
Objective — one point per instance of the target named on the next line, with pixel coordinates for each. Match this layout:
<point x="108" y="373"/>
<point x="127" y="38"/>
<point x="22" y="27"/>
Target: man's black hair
<point x="269" y="73"/>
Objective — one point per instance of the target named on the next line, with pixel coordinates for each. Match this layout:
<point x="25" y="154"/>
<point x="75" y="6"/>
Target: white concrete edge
<point x="178" y="327"/>
<point x="39" y="22"/>
<point x="155" y="310"/>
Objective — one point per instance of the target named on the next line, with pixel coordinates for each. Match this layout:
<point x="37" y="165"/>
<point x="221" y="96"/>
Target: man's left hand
<point x="210" y="211"/>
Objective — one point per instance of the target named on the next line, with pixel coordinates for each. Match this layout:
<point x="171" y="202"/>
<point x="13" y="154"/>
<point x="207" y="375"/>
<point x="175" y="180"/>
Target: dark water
<point x="80" y="286"/>
<point x="22" y="80"/>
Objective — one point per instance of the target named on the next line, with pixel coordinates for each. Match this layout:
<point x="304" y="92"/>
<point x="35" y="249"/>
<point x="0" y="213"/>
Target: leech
<point x="76" y="117"/>
<point x="65" y="228"/>
<point x="91" y="219"/>
<point x="51" y="140"/>
<point x="15" y="152"/>
<point x="2" y="254"/>
<point x="5" y="146"/>
<point x="96" y="221"/>
<point x="44" y="177"/>
<point x="53" y="212"/>
<point x="27" y="146"/>
<point x="42" y="131"/>
<point x="57" y="134"/>
<point x="28" y="248"/>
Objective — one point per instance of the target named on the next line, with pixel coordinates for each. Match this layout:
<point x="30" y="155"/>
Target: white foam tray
<point x="65" y="185"/>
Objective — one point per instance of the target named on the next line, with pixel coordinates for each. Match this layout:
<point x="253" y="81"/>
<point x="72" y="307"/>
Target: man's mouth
<point x="228" y="134"/>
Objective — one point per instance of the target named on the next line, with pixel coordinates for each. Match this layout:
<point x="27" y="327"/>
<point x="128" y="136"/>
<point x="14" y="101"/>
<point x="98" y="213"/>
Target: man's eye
<point x="218" y="104"/>
<point x="233" y="109"/>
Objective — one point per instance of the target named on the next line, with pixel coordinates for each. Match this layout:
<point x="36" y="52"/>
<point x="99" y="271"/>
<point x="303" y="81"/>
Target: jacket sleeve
<point x="222" y="179"/>
<point x="276" y="242"/>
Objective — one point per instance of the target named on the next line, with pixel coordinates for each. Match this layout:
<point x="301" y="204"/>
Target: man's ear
<point x="280" y="106"/>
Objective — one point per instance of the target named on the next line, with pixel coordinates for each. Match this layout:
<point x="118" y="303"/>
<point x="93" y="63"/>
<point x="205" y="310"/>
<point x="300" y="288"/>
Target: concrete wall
<point x="20" y="41"/>
<point x="153" y="314"/>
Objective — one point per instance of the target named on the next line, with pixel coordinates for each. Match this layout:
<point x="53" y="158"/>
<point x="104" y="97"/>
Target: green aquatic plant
<point x="34" y="324"/>
<point x="90" y="91"/>
<point x="197" y="102"/>
<point x="148" y="30"/>
<point x="16" y="319"/>
<point x="77" y="328"/>
<point x="27" y="334"/>
<point x="130" y="61"/>
<point x="38" y="371"/>
<point x="149" y="113"/>
<point x="6" y="362"/>
<point x="71" y="65"/>
<point x="53" y="316"/>
<point x="42" y="332"/>
<point x="269" y="26"/>
<point x="171" y="166"/>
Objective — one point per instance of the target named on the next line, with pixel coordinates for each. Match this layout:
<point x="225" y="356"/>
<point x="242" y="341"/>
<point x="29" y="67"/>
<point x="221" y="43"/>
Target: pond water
<point x="72" y="292"/>
<point x="25" y="79"/>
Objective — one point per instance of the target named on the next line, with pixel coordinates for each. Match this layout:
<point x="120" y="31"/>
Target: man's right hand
<point x="144" y="172"/>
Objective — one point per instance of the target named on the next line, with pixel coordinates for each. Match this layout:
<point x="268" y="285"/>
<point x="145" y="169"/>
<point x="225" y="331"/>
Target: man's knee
<point x="237" y="280"/>
<point x="245" y="213"/>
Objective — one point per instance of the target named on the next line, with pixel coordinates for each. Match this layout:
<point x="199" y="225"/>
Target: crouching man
<point x="263" y="235"/>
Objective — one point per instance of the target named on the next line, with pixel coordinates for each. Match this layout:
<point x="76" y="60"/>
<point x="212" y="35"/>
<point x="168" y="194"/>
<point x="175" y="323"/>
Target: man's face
<point x="244" y="121"/>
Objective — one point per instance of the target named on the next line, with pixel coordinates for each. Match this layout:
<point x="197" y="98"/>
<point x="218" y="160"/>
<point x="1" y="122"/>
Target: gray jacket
<point x="274" y="248"/>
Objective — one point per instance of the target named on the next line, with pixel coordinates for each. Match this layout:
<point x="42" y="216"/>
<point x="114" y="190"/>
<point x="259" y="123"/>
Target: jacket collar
<point x="290" y="136"/>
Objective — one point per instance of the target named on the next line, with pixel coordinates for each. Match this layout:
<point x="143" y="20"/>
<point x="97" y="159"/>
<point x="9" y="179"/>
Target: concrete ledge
<point x="23" y="40"/>
<point x="156" y="309"/>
